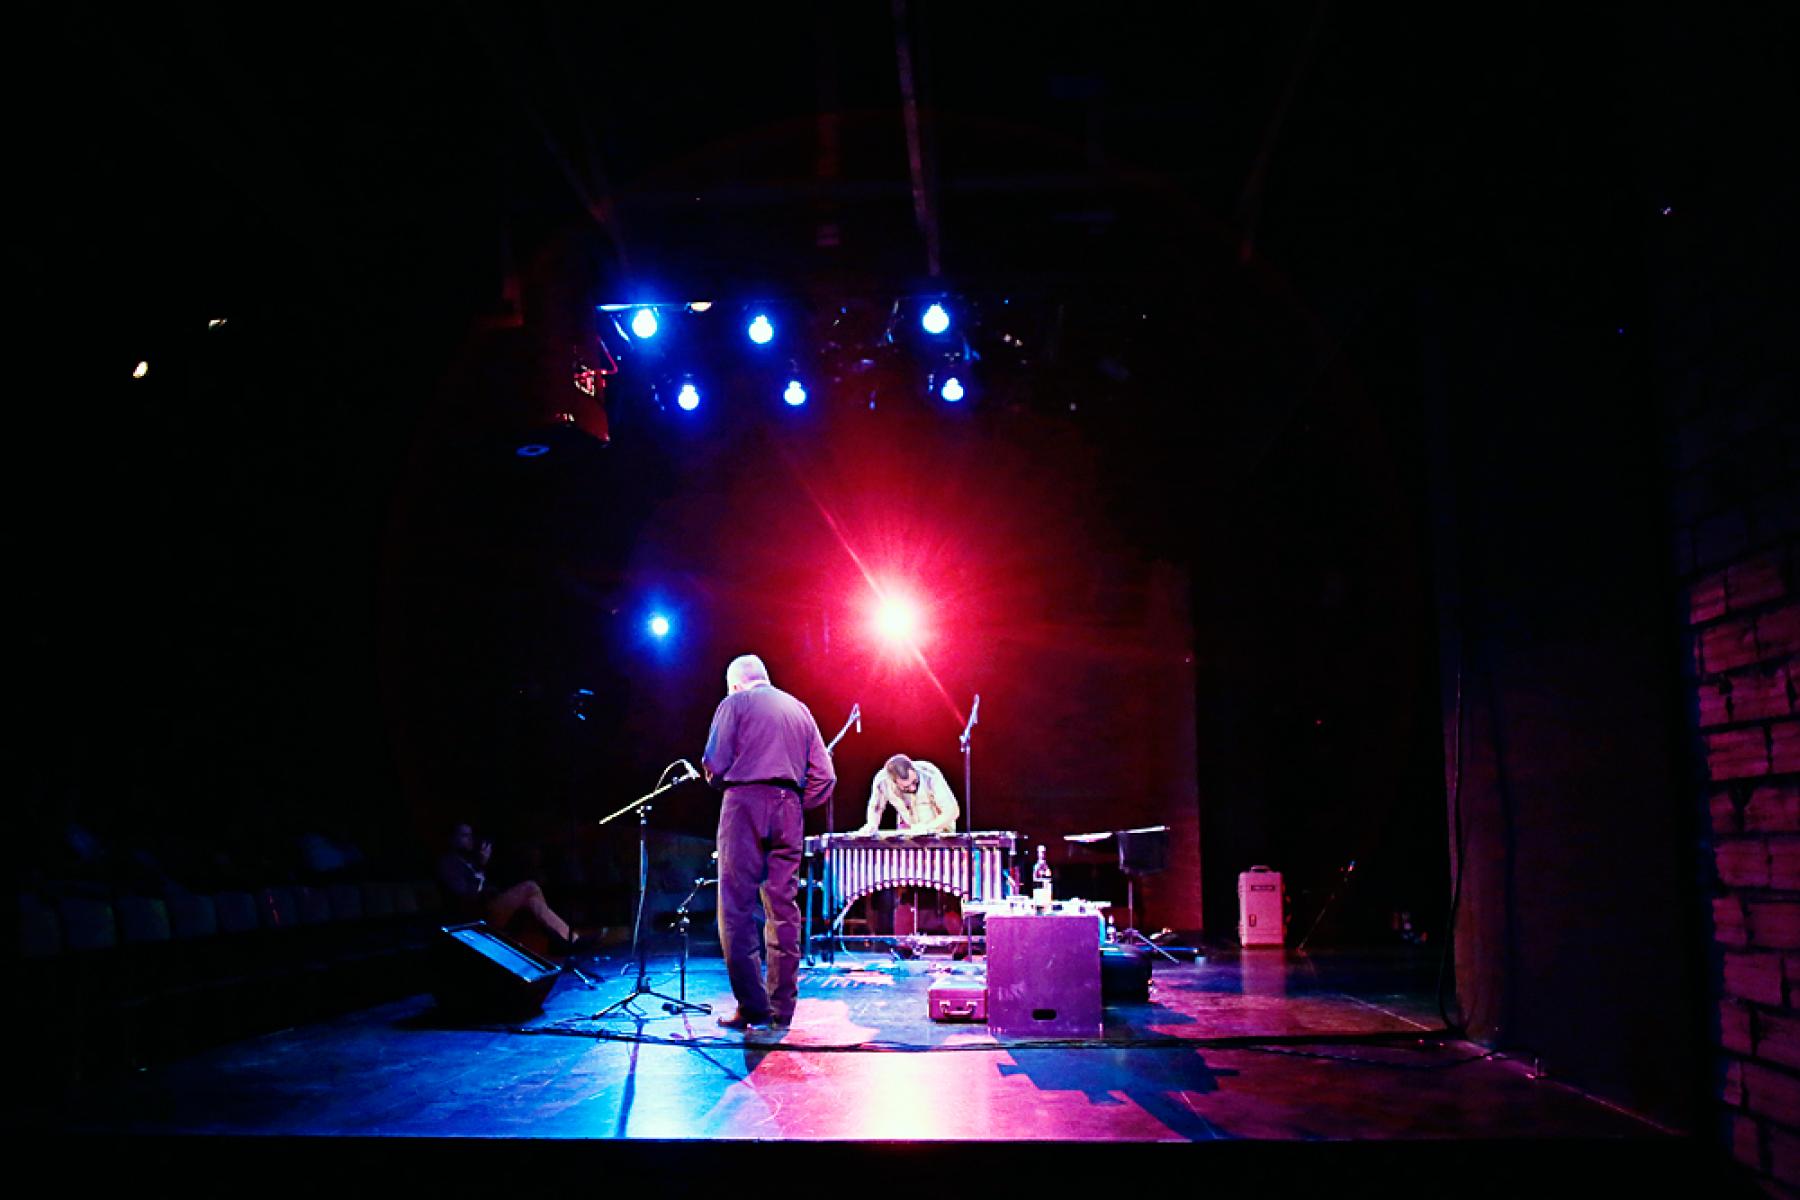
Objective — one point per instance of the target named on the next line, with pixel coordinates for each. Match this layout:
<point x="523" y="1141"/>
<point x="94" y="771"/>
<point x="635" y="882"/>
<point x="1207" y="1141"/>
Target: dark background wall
<point x="1465" y="397"/>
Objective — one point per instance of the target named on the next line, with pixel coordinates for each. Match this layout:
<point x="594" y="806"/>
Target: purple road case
<point x="1043" y="975"/>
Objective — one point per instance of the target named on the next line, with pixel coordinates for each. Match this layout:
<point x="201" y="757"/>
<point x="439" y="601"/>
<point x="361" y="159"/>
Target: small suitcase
<point x="959" y="1000"/>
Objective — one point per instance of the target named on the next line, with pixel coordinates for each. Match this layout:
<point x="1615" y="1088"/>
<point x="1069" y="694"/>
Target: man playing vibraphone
<point x="917" y="792"/>
<point x="923" y="803"/>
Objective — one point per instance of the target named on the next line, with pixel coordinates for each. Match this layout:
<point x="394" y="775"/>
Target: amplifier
<point x="1124" y="975"/>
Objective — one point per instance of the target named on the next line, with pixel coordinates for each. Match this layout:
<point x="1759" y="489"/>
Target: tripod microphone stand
<point x="641" y="988"/>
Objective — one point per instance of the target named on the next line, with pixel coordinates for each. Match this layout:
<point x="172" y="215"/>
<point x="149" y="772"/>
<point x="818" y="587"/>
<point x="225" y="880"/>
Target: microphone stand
<point x="966" y="742"/>
<point x="1342" y="884"/>
<point x="683" y="923"/>
<point x="641" y="988"/>
<point x="855" y="719"/>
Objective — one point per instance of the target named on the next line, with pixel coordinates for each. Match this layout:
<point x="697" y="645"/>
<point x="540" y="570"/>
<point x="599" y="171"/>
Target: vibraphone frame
<point x="843" y="868"/>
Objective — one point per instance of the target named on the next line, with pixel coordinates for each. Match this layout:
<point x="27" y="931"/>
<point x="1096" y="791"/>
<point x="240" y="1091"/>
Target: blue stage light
<point x="643" y="323"/>
<point x="688" y="397"/>
<point x="952" y="389"/>
<point x="935" y="320"/>
<point x="795" y="395"/>
<point x="760" y="331"/>
<point x="659" y="626"/>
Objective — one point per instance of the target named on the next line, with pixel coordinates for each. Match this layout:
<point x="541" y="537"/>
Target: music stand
<point x="1141" y="852"/>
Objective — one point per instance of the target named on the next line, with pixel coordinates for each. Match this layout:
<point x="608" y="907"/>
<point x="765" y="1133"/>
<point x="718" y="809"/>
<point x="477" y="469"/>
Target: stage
<point x="1312" y="1065"/>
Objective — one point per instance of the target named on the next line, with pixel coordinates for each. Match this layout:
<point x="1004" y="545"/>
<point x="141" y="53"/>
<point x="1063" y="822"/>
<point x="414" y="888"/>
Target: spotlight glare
<point x="897" y="619"/>
<point x="935" y="320"/>
<point x="795" y="394"/>
<point x="659" y="626"/>
<point x="643" y="323"/>
<point x="141" y="370"/>
<point x="699" y="306"/>
<point x="688" y="397"/>
<point x="952" y="390"/>
<point x="761" y="330"/>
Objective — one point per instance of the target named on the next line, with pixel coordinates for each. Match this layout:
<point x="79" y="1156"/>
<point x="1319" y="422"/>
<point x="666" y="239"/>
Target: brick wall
<point x="1745" y="620"/>
<point x="1722" y="257"/>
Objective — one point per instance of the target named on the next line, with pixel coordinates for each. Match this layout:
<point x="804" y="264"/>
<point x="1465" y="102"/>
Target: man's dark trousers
<point x="761" y="829"/>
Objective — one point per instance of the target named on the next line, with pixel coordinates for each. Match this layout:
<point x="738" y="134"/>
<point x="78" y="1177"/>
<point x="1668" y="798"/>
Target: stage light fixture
<point x="643" y="324"/>
<point x="795" y="394"/>
<point x="699" y="306"/>
<point x="659" y="626"/>
<point x="688" y="397"/>
<point x="952" y="390"/>
<point x="141" y="370"/>
<point x="935" y="320"/>
<point x="761" y="331"/>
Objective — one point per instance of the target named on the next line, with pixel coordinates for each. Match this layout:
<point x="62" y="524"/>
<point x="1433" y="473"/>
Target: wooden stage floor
<point x="1327" y="1067"/>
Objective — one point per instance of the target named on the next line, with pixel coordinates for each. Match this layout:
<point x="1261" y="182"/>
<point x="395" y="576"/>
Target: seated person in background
<point x="917" y="792"/>
<point x="462" y="873"/>
<point x="922" y="802"/>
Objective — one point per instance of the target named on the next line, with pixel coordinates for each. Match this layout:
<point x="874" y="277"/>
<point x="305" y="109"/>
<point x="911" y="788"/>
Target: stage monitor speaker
<point x="477" y="972"/>
<point x="1124" y="975"/>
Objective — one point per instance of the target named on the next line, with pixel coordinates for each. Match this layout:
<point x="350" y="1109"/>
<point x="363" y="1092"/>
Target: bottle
<point x="1040" y="881"/>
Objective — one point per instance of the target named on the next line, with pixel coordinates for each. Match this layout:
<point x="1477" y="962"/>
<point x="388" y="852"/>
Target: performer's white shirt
<point x="931" y="809"/>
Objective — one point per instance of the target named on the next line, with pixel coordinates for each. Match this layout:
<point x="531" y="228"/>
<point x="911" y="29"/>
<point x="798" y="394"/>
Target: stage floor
<point x="1266" y="1048"/>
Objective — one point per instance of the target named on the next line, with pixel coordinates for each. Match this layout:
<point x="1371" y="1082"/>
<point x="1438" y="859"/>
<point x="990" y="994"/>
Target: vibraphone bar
<point x="843" y="868"/>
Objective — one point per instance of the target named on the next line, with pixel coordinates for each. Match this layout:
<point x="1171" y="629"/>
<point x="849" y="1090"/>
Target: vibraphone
<point x="842" y="868"/>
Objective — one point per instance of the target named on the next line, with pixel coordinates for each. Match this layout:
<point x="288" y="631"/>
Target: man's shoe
<point x="737" y="1020"/>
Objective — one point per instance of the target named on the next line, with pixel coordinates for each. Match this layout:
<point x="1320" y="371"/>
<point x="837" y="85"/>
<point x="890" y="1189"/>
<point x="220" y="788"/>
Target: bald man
<point x="765" y="753"/>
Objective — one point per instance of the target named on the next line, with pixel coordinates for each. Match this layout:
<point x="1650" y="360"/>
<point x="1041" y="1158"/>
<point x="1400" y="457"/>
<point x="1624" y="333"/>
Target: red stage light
<point x="897" y="619"/>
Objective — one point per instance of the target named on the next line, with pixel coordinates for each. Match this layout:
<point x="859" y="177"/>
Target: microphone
<point x="975" y="710"/>
<point x="700" y="883"/>
<point x="856" y="711"/>
<point x="692" y="774"/>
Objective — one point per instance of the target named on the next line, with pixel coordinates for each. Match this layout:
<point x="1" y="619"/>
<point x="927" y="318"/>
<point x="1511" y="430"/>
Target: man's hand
<point x="485" y="852"/>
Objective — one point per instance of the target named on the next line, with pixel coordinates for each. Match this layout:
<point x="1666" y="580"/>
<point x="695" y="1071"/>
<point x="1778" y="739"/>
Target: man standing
<point x="765" y="753"/>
